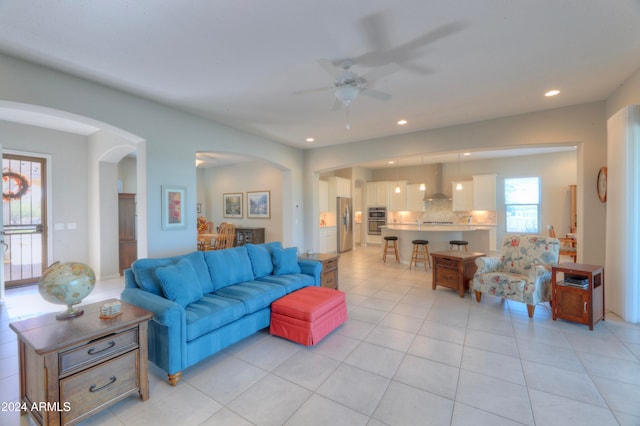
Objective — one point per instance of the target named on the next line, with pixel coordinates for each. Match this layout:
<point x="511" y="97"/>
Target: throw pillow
<point x="285" y="261"/>
<point x="260" y="260"/>
<point x="180" y="283"/>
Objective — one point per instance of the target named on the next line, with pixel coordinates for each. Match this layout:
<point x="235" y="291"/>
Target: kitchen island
<point x="438" y="237"/>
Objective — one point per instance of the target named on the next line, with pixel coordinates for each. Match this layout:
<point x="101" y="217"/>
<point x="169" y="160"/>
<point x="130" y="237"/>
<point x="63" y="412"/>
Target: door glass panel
<point x="24" y="215"/>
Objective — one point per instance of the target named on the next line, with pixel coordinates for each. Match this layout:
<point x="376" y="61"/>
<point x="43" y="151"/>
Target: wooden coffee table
<point x="71" y="369"/>
<point x="454" y="269"/>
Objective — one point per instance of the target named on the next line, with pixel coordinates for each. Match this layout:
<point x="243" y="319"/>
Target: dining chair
<point x="568" y="246"/>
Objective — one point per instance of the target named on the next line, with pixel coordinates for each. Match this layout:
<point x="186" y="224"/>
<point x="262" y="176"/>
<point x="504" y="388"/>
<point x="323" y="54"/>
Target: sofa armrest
<point x="311" y="267"/>
<point x="488" y="264"/>
<point x="167" y="329"/>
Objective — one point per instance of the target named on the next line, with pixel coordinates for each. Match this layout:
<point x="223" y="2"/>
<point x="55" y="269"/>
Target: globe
<point x="67" y="284"/>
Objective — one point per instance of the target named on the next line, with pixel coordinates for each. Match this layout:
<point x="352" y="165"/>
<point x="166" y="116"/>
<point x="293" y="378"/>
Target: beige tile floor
<point x="407" y="355"/>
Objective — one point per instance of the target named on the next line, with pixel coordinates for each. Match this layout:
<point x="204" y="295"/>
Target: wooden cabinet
<point x="249" y="236"/>
<point x="454" y="269"/>
<point x="462" y="199"/>
<point x="72" y="369"/>
<point x="127" y="244"/>
<point x="415" y="198"/>
<point x="377" y="194"/>
<point x="329" y="276"/>
<point x="484" y="192"/>
<point x="398" y="200"/>
<point x="579" y="295"/>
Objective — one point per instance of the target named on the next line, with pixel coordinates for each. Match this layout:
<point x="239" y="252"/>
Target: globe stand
<point x="69" y="313"/>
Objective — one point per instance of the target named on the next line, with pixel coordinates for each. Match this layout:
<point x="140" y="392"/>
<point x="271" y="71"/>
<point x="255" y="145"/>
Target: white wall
<point x="127" y="174"/>
<point x="69" y="194"/>
<point x="246" y="177"/>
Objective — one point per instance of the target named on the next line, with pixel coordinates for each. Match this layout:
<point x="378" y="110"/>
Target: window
<point x="522" y="204"/>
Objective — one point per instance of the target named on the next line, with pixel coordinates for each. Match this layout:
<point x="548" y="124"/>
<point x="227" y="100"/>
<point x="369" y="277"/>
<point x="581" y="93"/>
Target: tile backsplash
<point x="440" y="211"/>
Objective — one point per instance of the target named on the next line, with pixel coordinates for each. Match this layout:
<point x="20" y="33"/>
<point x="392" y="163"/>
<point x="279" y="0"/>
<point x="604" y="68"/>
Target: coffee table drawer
<point x="98" y="350"/>
<point x="87" y="391"/>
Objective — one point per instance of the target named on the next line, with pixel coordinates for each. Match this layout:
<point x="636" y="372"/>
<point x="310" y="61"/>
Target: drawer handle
<point x="95" y="388"/>
<point x="92" y="350"/>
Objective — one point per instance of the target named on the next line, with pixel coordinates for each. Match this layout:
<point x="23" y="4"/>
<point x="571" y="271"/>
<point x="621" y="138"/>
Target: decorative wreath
<point x="15" y="180"/>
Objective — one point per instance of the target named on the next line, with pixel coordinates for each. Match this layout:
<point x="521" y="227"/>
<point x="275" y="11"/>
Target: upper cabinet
<point x="484" y="192"/>
<point x="377" y="194"/>
<point x="415" y="198"/>
<point x="340" y="187"/>
<point x="462" y="199"/>
<point x="323" y="191"/>
<point x="398" y="200"/>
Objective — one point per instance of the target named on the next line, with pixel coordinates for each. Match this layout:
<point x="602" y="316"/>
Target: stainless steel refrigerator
<point x="344" y="222"/>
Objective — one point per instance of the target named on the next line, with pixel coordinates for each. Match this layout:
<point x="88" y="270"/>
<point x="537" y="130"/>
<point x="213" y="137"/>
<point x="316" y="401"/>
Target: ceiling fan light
<point x="346" y="94"/>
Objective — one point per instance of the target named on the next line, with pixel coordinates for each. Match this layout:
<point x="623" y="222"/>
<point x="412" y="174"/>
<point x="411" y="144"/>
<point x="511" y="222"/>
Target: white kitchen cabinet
<point x="398" y="201"/>
<point x="378" y="194"/>
<point x="328" y="239"/>
<point x="323" y="195"/>
<point x="341" y="186"/>
<point x="415" y="198"/>
<point x="484" y="192"/>
<point x="463" y="198"/>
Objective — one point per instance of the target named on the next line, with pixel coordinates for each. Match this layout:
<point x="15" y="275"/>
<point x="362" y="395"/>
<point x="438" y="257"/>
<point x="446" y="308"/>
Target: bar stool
<point x="458" y="244"/>
<point x="420" y="253"/>
<point x="393" y="246"/>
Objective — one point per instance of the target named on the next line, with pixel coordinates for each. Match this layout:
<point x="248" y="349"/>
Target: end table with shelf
<point x="454" y="269"/>
<point x="72" y="369"/>
<point x="584" y="305"/>
<point x="329" y="275"/>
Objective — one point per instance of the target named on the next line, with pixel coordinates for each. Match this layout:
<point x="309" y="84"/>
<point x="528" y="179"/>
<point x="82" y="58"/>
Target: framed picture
<point x="232" y="204"/>
<point x="259" y="205"/>
<point x="173" y="210"/>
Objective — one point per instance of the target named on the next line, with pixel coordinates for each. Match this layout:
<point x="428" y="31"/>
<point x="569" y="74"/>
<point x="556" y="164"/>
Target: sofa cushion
<point x="210" y="313"/>
<point x="180" y="283"/>
<point x="290" y="282"/>
<point x="196" y="260"/>
<point x="285" y="261"/>
<point x="228" y="266"/>
<point x="260" y="259"/>
<point x="254" y="294"/>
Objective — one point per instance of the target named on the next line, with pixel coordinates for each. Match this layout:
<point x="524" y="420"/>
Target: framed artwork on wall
<point x="232" y="204"/>
<point x="173" y="210"/>
<point x="259" y="205"/>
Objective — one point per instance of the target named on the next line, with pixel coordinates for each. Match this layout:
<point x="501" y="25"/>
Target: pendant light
<point x="423" y="187"/>
<point x="459" y="184"/>
<point x="397" y="178"/>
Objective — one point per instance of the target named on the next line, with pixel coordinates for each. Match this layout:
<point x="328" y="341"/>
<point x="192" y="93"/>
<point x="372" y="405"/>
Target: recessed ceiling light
<point x="552" y="93"/>
<point x="310" y="139"/>
<point x="402" y="122"/>
<point x="391" y="162"/>
<point x="467" y="153"/>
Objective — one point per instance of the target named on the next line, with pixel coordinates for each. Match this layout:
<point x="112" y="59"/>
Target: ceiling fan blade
<point x="317" y="89"/>
<point x="382" y="96"/>
<point x="328" y="66"/>
<point x="380" y="72"/>
<point x="374" y="28"/>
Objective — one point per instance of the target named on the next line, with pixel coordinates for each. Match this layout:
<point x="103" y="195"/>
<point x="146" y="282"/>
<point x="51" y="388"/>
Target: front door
<point x="24" y="218"/>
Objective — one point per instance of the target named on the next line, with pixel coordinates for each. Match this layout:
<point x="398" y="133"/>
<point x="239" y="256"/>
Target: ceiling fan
<point x="347" y="84"/>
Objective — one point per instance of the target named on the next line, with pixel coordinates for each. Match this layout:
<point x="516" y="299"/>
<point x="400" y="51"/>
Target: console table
<point x="454" y="269"/>
<point x="329" y="276"/>
<point x="71" y="369"/>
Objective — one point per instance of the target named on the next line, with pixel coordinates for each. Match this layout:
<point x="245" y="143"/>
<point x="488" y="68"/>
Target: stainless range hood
<point x="438" y="195"/>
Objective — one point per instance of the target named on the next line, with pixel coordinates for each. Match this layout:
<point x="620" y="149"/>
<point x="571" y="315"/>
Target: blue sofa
<point x="205" y="301"/>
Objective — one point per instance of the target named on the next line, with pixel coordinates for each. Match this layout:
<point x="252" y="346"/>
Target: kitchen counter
<point x="438" y="237"/>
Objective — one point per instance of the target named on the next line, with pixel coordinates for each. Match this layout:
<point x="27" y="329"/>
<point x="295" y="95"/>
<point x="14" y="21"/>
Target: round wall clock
<point x="602" y="184"/>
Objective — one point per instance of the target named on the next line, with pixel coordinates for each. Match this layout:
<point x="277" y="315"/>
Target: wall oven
<point x="376" y="218"/>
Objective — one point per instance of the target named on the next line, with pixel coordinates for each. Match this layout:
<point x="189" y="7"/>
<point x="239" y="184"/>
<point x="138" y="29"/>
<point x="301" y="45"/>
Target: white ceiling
<point x="241" y="62"/>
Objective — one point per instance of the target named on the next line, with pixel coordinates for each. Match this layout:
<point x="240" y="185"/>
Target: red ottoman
<point x="306" y="316"/>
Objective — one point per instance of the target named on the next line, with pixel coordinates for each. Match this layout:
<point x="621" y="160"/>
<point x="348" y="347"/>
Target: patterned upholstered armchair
<point x="523" y="273"/>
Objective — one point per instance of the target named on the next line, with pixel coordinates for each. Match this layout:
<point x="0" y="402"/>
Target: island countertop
<point x="438" y="236"/>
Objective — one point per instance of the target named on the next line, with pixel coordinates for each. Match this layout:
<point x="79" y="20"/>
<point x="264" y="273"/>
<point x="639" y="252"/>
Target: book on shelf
<point x="577" y="281"/>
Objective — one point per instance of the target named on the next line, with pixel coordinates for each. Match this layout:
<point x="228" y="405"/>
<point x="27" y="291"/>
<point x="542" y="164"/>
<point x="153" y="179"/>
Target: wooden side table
<point x="329" y="275"/>
<point x="454" y="269"/>
<point x="584" y="305"/>
<point x="71" y="369"/>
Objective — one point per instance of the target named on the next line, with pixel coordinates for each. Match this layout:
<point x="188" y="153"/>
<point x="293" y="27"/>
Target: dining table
<point x="207" y="241"/>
